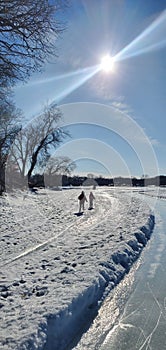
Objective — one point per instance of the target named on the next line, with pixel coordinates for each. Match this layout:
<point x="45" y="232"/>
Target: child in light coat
<point x="91" y="198"/>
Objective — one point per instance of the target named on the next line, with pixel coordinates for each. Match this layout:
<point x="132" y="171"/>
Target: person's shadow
<point x="79" y="213"/>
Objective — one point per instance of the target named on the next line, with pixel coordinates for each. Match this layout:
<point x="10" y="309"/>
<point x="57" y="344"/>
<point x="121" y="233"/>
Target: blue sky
<point x="116" y="119"/>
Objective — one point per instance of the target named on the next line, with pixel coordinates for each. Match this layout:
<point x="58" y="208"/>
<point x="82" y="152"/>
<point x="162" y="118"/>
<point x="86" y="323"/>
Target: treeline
<point x="64" y="180"/>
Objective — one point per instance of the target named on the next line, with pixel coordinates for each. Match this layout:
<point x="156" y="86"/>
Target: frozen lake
<point x="134" y="315"/>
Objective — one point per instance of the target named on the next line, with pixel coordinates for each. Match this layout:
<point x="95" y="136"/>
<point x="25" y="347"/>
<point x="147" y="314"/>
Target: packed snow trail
<point x="47" y="294"/>
<point x="82" y="223"/>
<point x="52" y="226"/>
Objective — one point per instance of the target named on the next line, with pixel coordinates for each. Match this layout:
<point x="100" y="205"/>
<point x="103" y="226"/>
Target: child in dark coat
<point x="82" y="199"/>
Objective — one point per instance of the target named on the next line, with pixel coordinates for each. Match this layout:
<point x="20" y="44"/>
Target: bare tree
<point x="34" y="143"/>
<point x="60" y="165"/>
<point x="55" y="168"/>
<point x="28" y="33"/>
<point x="9" y="128"/>
<point x="90" y="176"/>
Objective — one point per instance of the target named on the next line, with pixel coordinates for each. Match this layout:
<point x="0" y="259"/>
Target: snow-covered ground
<point x="56" y="267"/>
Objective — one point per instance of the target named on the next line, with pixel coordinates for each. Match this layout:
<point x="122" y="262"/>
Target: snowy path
<point x="20" y="230"/>
<point x="56" y="266"/>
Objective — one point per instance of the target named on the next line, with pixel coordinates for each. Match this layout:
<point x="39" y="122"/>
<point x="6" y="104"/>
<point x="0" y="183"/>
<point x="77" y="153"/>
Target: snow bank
<point x="57" y="268"/>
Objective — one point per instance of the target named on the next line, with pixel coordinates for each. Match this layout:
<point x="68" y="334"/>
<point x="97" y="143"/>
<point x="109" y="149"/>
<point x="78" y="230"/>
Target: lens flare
<point x="151" y="39"/>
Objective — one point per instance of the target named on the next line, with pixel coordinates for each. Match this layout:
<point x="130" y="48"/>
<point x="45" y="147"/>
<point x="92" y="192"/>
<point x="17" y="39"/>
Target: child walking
<point x="82" y="199"/>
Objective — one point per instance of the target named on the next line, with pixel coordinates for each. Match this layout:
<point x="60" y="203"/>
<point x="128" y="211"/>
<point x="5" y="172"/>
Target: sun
<point x="107" y="63"/>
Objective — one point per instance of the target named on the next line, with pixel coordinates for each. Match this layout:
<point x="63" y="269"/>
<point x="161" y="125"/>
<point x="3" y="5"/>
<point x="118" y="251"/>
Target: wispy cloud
<point x="121" y="106"/>
<point x="154" y="141"/>
<point x="119" y="103"/>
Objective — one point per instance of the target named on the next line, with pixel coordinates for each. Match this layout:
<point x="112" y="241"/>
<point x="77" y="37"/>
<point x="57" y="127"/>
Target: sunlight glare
<point x="107" y="63"/>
